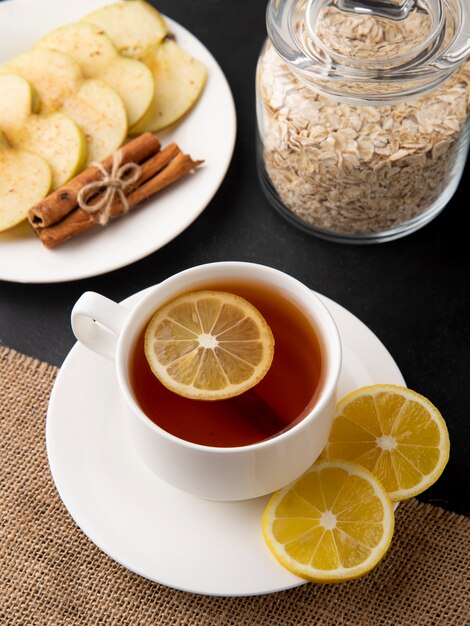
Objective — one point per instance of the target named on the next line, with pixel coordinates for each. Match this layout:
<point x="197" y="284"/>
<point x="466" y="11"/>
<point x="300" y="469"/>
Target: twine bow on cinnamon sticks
<point x="112" y="184"/>
<point x="108" y="189"/>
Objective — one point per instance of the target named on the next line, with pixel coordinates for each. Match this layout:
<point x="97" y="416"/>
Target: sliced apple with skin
<point x="61" y="86"/>
<point x="134" y="27"/>
<point x="179" y="81"/>
<point x="94" y="52"/>
<point x="25" y="178"/>
<point x="55" y="137"/>
<point x="139" y="30"/>
<point x="53" y="84"/>
<point x="22" y="103"/>
<point x="104" y="133"/>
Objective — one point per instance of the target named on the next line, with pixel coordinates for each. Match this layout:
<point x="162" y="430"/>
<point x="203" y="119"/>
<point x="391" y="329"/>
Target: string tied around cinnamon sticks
<point x="111" y="184"/>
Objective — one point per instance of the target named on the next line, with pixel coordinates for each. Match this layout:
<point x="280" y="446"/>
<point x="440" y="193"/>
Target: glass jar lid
<point x="371" y="51"/>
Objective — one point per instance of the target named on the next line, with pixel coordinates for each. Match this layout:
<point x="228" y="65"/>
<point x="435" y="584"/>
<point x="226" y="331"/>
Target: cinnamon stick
<point x="64" y="200"/>
<point x="155" y="164"/>
<point x="181" y="165"/>
<point x="79" y="220"/>
<point x="258" y="413"/>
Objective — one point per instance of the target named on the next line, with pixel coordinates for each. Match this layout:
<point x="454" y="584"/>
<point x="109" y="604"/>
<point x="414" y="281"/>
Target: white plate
<point x="141" y="522"/>
<point x="208" y="132"/>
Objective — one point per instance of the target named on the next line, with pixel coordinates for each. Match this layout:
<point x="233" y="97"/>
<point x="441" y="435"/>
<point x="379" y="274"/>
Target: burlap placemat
<point x="50" y="573"/>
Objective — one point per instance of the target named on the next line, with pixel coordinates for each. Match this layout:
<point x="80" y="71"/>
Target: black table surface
<point x="413" y="293"/>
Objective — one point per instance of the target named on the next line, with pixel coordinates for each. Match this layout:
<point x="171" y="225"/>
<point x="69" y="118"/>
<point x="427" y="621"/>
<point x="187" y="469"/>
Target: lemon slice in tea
<point x="394" y="432"/>
<point x="209" y="345"/>
<point x="334" y="523"/>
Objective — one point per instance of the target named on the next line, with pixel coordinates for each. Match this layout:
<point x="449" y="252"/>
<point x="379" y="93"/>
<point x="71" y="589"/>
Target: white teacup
<point x="235" y="473"/>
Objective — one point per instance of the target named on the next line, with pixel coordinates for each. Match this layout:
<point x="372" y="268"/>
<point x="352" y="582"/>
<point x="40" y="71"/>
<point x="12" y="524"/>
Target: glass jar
<point x="363" y="113"/>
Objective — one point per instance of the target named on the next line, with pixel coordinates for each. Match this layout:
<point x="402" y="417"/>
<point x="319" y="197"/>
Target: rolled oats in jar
<point x="363" y="113"/>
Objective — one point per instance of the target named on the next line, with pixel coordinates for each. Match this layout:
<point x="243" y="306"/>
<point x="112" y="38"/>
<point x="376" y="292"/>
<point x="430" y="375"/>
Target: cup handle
<point x="97" y="322"/>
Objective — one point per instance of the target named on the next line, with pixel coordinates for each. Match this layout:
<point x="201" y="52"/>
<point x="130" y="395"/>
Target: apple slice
<point x="60" y="85"/>
<point x="22" y="103"/>
<point x="91" y="48"/>
<point x="134" y="27"/>
<point x="25" y="178"/>
<point x="99" y="112"/>
<point x="138" y="30"/>
<point x="179" y="81"/>
<point x="52" y="83"/>
<point x="53" y="136"/>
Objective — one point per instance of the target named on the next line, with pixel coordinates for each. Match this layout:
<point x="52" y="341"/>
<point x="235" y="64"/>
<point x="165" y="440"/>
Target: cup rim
<point x="329" y="384"/>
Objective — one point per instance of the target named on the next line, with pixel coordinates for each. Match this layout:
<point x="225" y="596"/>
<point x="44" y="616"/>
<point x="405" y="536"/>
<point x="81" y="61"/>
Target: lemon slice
<point x="332" y="524"/>
<point x="394" y="432"/>
<point x="209" y="345"/>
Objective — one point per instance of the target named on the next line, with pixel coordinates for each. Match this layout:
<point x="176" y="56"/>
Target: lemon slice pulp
<point x="396" y="433"/>
<point x="209" y="345"/>
<point x="332" y="524"/>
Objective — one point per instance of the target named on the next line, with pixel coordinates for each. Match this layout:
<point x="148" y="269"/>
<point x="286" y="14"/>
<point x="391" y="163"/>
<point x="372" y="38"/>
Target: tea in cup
<point x="238" y="447"/>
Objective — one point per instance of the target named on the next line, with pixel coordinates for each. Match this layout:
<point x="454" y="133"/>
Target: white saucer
<point x="141" y="522"/>
<point x="207" y="132"/>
